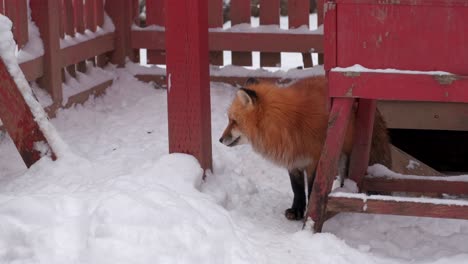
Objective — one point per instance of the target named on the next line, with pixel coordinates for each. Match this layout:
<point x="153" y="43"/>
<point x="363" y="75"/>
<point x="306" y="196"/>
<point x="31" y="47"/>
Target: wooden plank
<point x="44" y="13"/>
<point x="401" y="160"/>
<point x="401" y="206"/>
<point x="87" y="49"/>
<point x="189" y="111"/>
<point x="298" y="15"/>
<point x="327" y="167"/>
<point x="102" y="59"/>
<point x="82" y="97"/>
<point x="270" y="15"/>
<point x="362" y="141"/>
<point x="32" y="69"/>
<point x="78" y="7"/>
<point x="215" y="20"/>
<point x="320" y="21"/>
<point x="70" y="30"/>
<point x="433" y="3"/>
<point x="90" y="15"/>
<point x="425" y="115"/>
<point x="2" y="7"/>
<point x="156" y="15"/>
<point x="237" y="41"/>
<point x="18" y="119"/>
<point x="369" y="33"/>
<point x="21" y="30"/>
<point x="240" y="13"/>
<point x="422" y="185"/>
<point x="394" y="86"/>
<point x="120" y="11"/>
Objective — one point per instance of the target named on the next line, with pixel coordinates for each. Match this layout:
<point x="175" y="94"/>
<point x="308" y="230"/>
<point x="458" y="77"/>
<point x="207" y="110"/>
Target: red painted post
<point x="78" y="8"/>
<point x="270" y="15"/>
<point x="21" y="31"/>
<point x="155" y="15"/>
<point x="240" y="13"/>
<point x="298" y="15"/>
<point x="188" y="79"/>
<point x="45" y="14"/>
<point x="69" y="29"/>
<point x="18" y="119"/>
<point x="120" y="11"/>
<point x="364" y="126"/>
<point x="327" y="168"/>
<point x="215" y="19"/>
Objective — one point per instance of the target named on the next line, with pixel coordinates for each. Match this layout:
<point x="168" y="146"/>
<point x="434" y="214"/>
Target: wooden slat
<point x="18" y="119"/>
<point x="21" y="29"/>
<point x="421" y="185"/>
<point x="12" y="13"/>
<point x="70" y="29"/>
<point x="45" y="13"/>
<point x="78" y="8"/>
<point x="2" y="7"/>
<point x="240" y="13"/>
<point x="237" y="41"/>
<point x="120" y="11"/>
<point x="425" y="115"/>
<point x="102" y="59"/>
<point x="87" y="49"/>
<point x="215" y="20"/>
<point x="155" y="15"/>
<point x="90" y="15"/>
<point x="320" y="21"/>
<point x="188" y="94"/>
<point x="270" y="15"/>
<point x="393" y="206"/>
<point x="298" y="15"/>
<point x="33" y="69"/>
<point x="329" y="39"/>
<point x="394" y="86"/>
<point x="327" y="167"/>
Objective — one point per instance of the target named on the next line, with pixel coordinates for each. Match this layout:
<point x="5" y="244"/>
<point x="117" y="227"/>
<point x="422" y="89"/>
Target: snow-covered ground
<point x="118" y="197"/>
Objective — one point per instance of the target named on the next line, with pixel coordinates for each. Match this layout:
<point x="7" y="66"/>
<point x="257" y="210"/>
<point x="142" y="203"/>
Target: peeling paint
<point x="351" y="74"/>
<point x="445" y="79"/>
<point x="349" y="93"/>
<point x="378" y="41"/>
<point x="389" y="2"/>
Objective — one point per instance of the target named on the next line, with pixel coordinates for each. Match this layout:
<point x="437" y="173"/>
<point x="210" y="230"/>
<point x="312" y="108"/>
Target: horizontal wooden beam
<point x="238" y="41"/>
<point x="82" y="97"/>
<point x="439" y="208"/>
<point x="33" y="69"/>
<point x="406" y="2"/>
<point x="86" y="49"/>
<point x="422" y="185"/>
<point x="425" y="115"/>
<point x="397" y="86"/>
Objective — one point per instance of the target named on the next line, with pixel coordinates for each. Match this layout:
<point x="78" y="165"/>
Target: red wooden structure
<point x="389" y="35"/>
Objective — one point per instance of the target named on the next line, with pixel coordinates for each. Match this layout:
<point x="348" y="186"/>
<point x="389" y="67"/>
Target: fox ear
<point x="251" y="80"/>
<point x="247" y="96"/>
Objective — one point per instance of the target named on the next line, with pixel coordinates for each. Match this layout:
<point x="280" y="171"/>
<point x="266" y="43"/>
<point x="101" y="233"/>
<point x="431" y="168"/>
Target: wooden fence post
<point x="121" y="13"/>
<point x="188" y="84"/>
<point x="46" y="14"/>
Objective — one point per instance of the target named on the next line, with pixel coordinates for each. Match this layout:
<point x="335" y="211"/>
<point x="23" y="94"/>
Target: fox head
<point x="242" y="116"/>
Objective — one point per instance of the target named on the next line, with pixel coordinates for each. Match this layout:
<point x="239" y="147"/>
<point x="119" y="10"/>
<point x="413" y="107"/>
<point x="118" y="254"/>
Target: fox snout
<point x="232" y="137"/>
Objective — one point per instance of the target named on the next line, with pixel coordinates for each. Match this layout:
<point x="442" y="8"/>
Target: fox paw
<point x="294" y="214"/>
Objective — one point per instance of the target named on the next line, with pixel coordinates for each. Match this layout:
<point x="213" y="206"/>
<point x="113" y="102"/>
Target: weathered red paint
<point x="393" y="86"/>
<point x="364" y="125"/>
<point x="327" y="167"/>
<point x="240" y="13"/>
<point x="18" y="119"/>
<point x="270" y="15"/>
<point x="298" y="15"/>
<point x="155" y="15"/>
<point x="188" y="79"/>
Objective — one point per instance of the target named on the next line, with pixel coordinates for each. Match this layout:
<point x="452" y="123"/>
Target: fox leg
<point x="296" y="212"/>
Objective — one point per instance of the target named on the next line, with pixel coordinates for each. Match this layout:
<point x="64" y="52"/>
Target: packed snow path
<point x="119" y="198"/>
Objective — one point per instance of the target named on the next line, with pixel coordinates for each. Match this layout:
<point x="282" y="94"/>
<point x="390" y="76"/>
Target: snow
<point x="360" y="68"/>
<point x="265" y="29"/>
<point x="366" y="198"/>
<point x="118" y="197"/>
<point x="381" y="171"/>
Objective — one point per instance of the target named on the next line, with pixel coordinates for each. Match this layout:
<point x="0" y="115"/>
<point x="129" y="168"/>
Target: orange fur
<point x="288" y="125"/>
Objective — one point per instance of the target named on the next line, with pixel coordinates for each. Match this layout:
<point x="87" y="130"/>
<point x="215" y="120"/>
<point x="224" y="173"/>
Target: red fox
<point x="287" y="125"/>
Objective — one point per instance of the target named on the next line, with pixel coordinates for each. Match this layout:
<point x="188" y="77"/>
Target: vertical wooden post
<point x="121" y="13"/>
<point x="188" y="84"/>
<point x="80" y="27"/>
<point x="320" y="18"/>
<point x="156" y="15"/>
<point x="240" y="13"/>
<point x="270" y="15"/>
<point x="364" y="125"/>
<point x="215" y="19"/>
<point x="18" y="119"/>
<point x="70" y="29"/>
<point x="298" y="15"/>
<point x="46" y="15"/>
<point x="327" y="167"/>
